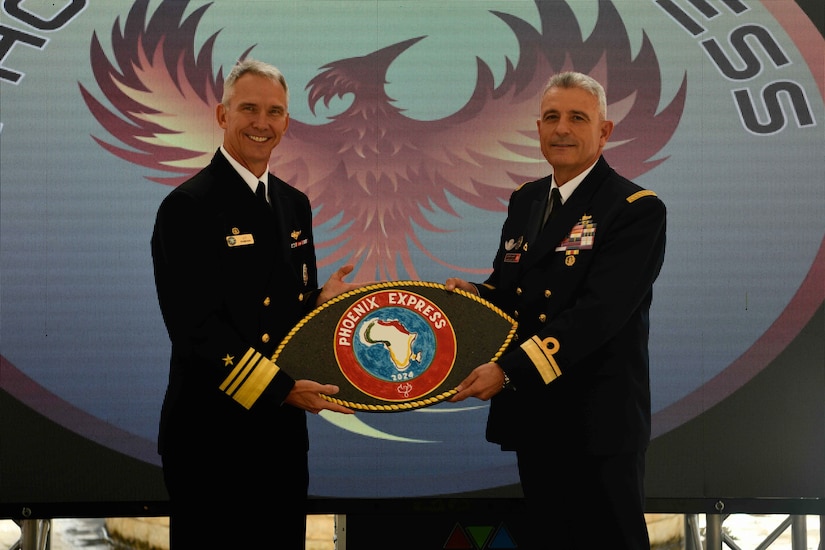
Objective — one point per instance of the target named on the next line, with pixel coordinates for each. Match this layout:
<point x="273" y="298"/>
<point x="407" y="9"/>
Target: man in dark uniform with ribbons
<point x="571" y="395"/>
<point x="234" y="273"/>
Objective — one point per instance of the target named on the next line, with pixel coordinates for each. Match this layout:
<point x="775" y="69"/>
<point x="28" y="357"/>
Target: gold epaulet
<point x="639" y="195"/>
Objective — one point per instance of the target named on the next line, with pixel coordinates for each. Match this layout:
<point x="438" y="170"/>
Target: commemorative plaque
<point x="395" y="346"/>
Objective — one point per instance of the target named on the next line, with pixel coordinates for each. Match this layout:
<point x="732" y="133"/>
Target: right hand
<point x="306" y="395"/>
<point x="456" y="283"/>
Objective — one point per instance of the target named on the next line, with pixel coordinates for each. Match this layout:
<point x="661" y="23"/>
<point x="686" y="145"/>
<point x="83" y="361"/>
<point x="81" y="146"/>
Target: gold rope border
<point x="397" y="407"/>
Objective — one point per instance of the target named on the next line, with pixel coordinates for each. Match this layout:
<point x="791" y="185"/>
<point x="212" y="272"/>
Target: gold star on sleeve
<point x="248" y="380"/>
<point x="229" y="360"/>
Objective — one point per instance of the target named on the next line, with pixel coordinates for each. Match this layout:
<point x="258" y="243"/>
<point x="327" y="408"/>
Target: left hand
<point x="483" y="382"/>
<point x="335" y="285"/>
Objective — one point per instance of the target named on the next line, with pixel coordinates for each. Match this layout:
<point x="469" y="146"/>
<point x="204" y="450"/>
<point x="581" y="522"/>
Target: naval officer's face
<point x="572" y="132"/>
<point x="254" y="120"/>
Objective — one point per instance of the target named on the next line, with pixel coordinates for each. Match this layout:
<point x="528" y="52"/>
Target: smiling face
<point x="571" y="131"/>
<point x="254" y="119"/>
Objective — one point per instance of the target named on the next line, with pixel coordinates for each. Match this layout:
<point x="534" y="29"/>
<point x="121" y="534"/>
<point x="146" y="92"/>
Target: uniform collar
<point x="250" y="178"/>
<point x="567" y="189"/>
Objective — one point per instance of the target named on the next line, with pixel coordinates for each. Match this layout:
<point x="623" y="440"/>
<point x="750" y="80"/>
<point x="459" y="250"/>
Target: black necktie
<point x="553" y="204"/>
<point x="260" y="192"/>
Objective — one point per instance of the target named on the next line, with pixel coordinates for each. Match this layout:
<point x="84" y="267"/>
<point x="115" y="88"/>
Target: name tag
<point x="239" y="240"/>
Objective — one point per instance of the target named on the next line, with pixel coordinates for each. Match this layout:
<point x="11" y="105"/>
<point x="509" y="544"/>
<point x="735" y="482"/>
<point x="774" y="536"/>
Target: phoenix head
<point x="371" y="171"/>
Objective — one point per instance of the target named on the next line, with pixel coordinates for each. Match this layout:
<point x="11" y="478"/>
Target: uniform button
<point x="301" y="297"/>
<point x="518" y="291"/>
<point x="267" y="301"/>
<point x="547" y="293"/>
<point x="515" y="314"/>
<point x="543" y="318"/>
<point x="265" y="338"/>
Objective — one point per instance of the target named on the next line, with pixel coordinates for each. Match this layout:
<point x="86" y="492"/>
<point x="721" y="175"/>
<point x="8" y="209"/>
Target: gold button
<point x="301" y="297"/>
<point x="267" y="301"/>
<point x="542" y="317"/>
<point x="265" y="338"/>
<point x="518" y="291"/>
<point x="547" y="293"/>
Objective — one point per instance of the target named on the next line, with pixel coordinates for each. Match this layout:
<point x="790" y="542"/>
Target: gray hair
<point x="252" y="66"/>
<point x="582" y="81"/>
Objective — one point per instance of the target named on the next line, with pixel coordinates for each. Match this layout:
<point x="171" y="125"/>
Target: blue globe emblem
<point x="394" y="344"/>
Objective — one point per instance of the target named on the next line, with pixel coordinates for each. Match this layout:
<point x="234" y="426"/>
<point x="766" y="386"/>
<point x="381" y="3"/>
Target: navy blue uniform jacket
<point x="581" y="291"/>
<point x="233" y="277"/>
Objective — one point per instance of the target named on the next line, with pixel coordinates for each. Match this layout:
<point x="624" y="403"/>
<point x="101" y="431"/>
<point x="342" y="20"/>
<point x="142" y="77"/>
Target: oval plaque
<point x="395" y="346"/>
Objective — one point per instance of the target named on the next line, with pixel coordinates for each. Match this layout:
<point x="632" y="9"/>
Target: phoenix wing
<point x="371" y="172"/>
<point x="162" y="95"/>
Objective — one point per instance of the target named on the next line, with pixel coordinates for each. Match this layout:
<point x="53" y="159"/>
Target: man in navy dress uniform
<point x="234" y="273"/>
<point x="571" y="395"/>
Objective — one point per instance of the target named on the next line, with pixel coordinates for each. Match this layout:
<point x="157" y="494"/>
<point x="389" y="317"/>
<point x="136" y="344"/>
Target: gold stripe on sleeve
<point x="541" y="354"/>
<point x="233" y="376"/>
<point x="249" y="378"/>
<point x="255" y="384"/>
<point x="245" y="372"/>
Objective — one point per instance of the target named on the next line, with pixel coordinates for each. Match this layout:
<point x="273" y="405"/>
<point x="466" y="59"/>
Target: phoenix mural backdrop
<point x="412" y="122"/>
